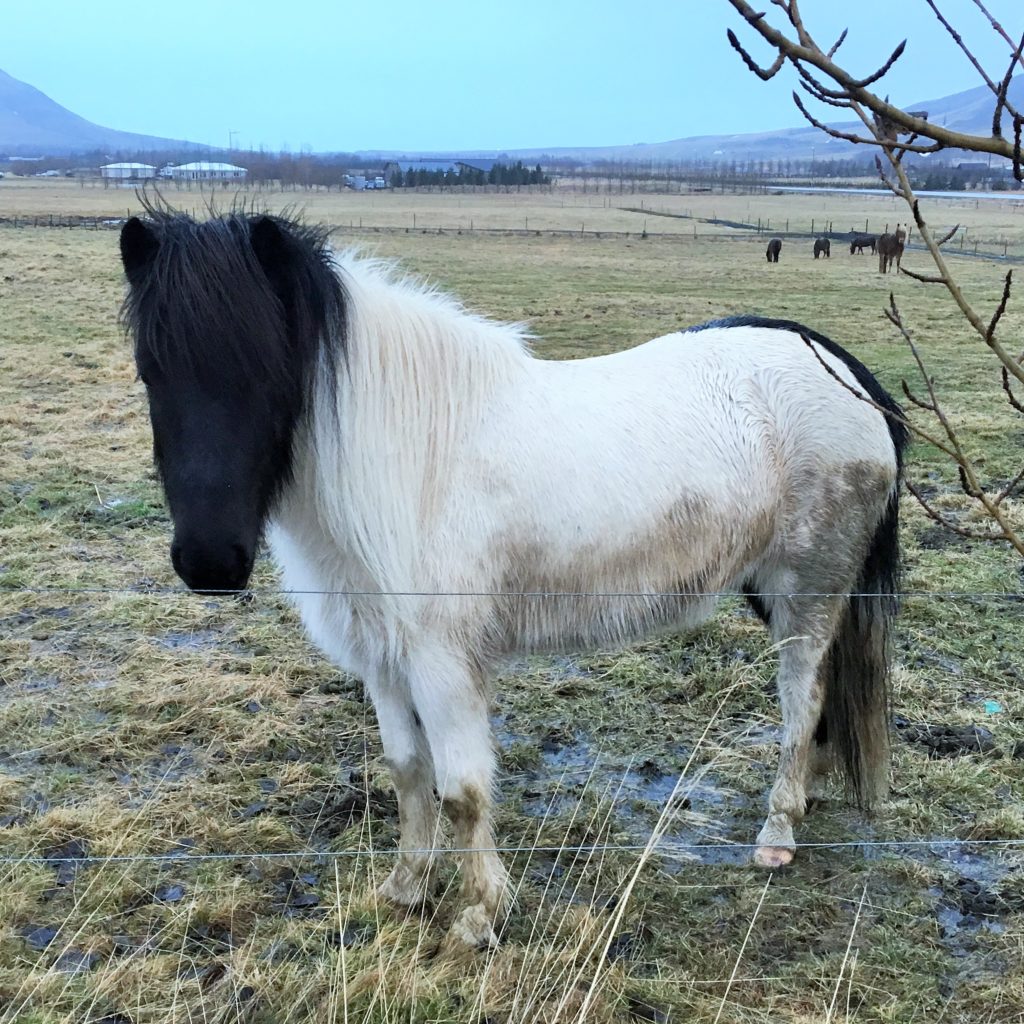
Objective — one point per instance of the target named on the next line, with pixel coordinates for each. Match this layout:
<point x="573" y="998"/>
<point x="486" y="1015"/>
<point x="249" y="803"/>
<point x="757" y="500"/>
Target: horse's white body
<point x="446" y="460"/>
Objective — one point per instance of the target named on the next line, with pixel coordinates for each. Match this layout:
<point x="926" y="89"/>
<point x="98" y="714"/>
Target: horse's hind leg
<point x="405" y="749"/>
<point x="804" y="627"/>
<point x="819" y="764"/>
<point x="451" y="702"/>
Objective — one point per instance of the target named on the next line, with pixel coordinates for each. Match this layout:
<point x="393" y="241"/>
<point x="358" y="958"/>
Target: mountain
<point x="969" y="111"/>
<point x="31" y="124"/>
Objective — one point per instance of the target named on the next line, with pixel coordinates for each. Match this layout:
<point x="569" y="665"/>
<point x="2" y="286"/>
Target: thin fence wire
<point x="664" y="847"/>
<point x="157" y="591"/>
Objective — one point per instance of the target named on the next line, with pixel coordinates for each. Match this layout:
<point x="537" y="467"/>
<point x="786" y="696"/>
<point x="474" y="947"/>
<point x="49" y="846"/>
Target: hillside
<point x="33" y="124"/>
<point x="969" y="111"/>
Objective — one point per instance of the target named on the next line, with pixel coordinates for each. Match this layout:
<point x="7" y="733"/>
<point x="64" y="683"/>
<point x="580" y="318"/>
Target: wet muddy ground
<point x="575" y="774"/>
<point x="139" y="722"/>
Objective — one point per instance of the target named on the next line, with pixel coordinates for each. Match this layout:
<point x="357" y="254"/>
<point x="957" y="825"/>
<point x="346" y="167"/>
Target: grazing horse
<point x="861" y="242"/>
<point x="774" y="248"/>
<point x="438" y="499"/>
<point x="890" y="248"/>
<point x="822" y="247"/>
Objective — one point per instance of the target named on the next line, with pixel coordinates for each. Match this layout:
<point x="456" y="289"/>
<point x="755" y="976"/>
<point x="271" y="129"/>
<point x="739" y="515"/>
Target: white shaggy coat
<point x="448" y="476"/>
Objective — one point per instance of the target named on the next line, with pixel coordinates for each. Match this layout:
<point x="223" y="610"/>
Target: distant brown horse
<point x="860" y="242"/>
<point x="890" y="247"/>
<point x="774" y="248"/>
<point x="822" y="246"/>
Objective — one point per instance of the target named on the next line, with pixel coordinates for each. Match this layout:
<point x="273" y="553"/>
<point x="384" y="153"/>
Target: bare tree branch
<point x="762" y="73"/>
<point x="945" y="521"/>
<point x="997" y="91"/>
<point x="835" y="46"/>
<point x="804" y="50"/>
<point x="895" y="132"/>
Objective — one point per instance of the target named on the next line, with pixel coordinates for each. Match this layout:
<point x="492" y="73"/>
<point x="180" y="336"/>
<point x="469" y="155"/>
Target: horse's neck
<point x="383" y="439"/>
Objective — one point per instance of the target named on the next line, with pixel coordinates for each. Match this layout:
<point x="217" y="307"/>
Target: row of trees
<point x="308" y="170"/>
<point x="752" y="175"/>
<point x="499" y="174"/>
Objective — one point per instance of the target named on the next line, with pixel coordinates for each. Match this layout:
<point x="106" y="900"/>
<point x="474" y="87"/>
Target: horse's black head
<point x="232" y="317"/>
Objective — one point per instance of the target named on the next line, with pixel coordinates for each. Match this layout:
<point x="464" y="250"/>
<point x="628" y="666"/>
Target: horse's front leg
<point x="451" y="702"/>
<point x="405" y="749"/>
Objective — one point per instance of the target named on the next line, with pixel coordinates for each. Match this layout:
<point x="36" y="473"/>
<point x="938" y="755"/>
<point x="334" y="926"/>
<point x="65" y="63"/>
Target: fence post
<point x="812" y="225"/>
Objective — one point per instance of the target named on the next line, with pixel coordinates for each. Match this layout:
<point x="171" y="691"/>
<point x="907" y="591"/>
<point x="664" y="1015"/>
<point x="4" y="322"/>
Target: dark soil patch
<point x="946" y="740"/>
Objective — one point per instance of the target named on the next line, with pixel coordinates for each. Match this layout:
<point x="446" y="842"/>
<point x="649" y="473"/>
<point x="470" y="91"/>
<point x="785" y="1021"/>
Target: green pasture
<point x="137" y="722"/>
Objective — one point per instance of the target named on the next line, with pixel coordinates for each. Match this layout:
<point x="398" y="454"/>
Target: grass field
<point x="134" y="722"/>
<point x="993" y="224"/>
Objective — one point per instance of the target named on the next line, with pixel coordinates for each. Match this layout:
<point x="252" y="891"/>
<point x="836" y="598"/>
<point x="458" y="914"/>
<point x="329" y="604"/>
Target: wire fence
<point x="981" y="249"/>
<point x="662" y="847"/>
<point x="145" y="589"/>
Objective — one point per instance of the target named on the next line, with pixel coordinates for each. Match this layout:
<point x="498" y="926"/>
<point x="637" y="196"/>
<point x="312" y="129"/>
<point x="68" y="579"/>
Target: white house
<point x="204" y="170"/>
<point x="128" y="172"/>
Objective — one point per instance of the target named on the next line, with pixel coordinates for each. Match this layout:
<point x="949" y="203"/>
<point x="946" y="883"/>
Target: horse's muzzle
<point x="213" y="568"/>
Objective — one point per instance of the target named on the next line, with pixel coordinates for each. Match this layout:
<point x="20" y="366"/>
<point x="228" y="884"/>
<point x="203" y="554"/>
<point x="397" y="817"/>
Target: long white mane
<point x="419" y="373"/>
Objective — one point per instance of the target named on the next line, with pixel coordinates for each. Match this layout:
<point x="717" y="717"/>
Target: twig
<point x="947" y="523"/>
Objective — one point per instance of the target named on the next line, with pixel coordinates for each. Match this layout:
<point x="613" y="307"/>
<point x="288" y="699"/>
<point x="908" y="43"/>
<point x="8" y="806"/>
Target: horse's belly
<point x="548" y="623"/>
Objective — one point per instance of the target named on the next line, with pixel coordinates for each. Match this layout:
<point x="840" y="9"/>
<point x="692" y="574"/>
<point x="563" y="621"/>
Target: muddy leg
<point x="452" y="706"/>
<point x="819" y="763"/>
<point x="408" y="758"/>
<point x="801" y="696"/>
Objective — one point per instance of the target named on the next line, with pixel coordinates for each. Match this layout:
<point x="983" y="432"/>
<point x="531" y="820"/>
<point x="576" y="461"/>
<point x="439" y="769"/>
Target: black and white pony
<point x="421" y="478"/>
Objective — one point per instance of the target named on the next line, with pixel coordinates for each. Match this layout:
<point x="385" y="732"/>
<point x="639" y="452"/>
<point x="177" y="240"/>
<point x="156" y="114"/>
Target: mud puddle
<point x="699" y="814"/>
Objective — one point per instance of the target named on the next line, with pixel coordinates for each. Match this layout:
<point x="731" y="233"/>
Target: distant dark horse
<point x="890" y="247"/>
<point x="822" y="246"/>
<point x="860" y="242"/>
<point x="774" y="248"/>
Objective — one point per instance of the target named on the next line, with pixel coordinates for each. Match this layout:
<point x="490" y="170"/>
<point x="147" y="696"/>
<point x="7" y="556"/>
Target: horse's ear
<point x="139" y="244"/>
<point x="269" y="244"/>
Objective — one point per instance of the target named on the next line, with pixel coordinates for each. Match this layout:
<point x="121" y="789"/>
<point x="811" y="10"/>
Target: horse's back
<point x="698" y="442"/>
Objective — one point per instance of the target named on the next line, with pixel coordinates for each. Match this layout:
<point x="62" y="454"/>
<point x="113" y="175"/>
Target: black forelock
<point x="204" y="305"/>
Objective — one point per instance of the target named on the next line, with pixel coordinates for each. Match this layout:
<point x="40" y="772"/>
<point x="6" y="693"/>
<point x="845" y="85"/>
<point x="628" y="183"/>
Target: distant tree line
<point x="305" y="170"/>
<point x="499" y="174"/>
<point x="708" y="175"/>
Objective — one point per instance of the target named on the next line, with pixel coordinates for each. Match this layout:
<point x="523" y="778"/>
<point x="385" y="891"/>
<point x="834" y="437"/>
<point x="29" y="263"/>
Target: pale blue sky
<point x="450" y="74"/>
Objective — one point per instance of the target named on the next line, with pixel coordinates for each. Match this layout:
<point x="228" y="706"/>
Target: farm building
<point x="127" y="171"/>
<point x="203" y="170"/>
<point x="458" y="164"/>
<point x="404" y="166"/>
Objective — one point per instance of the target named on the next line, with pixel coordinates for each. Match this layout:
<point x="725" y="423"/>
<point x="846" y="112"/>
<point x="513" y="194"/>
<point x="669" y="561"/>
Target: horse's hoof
<point x="773" y="856"/>
<point x="473" y="929"/>
<point x="403" y="888"/>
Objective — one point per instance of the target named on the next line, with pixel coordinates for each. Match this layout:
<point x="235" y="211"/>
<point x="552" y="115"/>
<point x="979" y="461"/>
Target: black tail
<point x="855" y="716"/>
